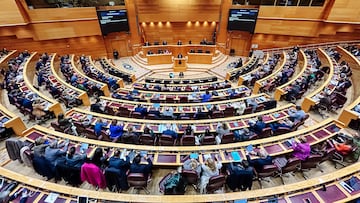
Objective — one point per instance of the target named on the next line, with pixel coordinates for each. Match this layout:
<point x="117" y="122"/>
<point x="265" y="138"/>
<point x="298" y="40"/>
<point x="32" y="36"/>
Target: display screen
<point x="242" y="19"/>
<point x="113" y="21"/>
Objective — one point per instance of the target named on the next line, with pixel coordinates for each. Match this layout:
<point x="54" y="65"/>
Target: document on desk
<point x="236" y="156"/>
<point x="51" y="198"/>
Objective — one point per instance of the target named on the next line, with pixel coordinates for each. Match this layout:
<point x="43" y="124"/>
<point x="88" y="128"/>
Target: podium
<point x="180" y="65"/>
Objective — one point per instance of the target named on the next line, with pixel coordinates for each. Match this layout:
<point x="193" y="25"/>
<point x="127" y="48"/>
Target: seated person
<point x="221" y="130"/>
<point x="55" y="152"/>
<point x="120" y="165"/>
<point x="297" y="115"/>
<point x="38" y="109"/>
<point x="98" y="106"/>
<point x="257" y="126"/>
<point x="301" y="150"/>
<point x="137" y="167"/>
<point x="344" y="148"/>
<point x="116" y="130"/>
<point x="40" y="146"/>
<point x="74" y="159"/>
<point x="139" y="108"/>
<point x="179" y="42"/>
<point x="192" y="165"/>
<point x="170" y="131"/>
<point x="251" y="102"/>
<point x="286" y="123"/>
<point x="179" y="56"/>
<point x="129" y="136"/>
<point x="206" y="97"/>
<point x="241" y="175"/>
<point x="168" y="113"/>
<point x="259" y="163"/>
<point x="98" y="127"/>
<point x="209" y="169"/>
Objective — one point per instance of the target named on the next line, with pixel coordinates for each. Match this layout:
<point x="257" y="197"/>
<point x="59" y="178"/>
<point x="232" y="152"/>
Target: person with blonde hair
<point x="209" y="169"/>
<point x="259" y="163"/>
<point x="192" y="165"/>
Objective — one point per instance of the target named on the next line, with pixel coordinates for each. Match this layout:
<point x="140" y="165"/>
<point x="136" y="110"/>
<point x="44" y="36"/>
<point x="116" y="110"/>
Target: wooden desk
<point x="60" y="83"/>
<point x="310" y="99"/>
<point x="234" y="70"/>
<point x="106" y="61"/>
<point x="176" y="49"/>
<point x="28" y="73"/>
<point x="154" y="59"/>
<point x="234" y="123"/>
<point x="182" y="81"/>
<point x="120" y="81"/>
<point x="202" y="58"/>
<point x="348" y="114"/>
<point x="81" y="74"/>
<point x="287" y="190"/>
<point x="281" y="90"/>
<point x="183" y="87"/>
<point x="260" y="83"/>
<point x="242" y="78"/>
<point x="180" y="64"/>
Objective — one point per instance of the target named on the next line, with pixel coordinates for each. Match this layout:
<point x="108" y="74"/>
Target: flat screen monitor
<point x="242" y="19"/>
<point x="113" y="21"/>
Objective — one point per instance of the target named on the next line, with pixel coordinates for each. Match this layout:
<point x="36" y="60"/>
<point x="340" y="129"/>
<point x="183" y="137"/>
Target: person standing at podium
<point x="180" y="56"/>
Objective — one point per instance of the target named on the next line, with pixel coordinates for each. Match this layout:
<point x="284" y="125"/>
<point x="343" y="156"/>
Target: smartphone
<point x="306" y="200"/>
<point x="82" y="199"/>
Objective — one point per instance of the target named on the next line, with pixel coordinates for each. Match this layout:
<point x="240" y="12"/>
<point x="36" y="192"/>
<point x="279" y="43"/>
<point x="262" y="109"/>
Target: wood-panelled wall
<point x="178" y="10"/>
<point x="93" y="45"/>
<point x="10" y="14"/>
<point x="174" y="31"/>
<point x="345" y="10"/>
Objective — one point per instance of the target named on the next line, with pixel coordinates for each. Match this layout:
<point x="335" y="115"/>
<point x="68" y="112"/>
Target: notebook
<point x="84" y="147"/>
<point x="236" y="156"/>
<point x="51" y="198"/>
<point x="207" y="156"/>
<point x="249" y="148"/>
<point x="240" y="201"/>
<point x="194" y="156"/>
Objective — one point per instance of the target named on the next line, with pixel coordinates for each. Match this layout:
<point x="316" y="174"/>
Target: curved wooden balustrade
<point x="182" y="107"/>
<point x="174" y="97"/>
<point x="236" y="122"/>
<point x="29" y="68"/>
<point x="251" y="62"/>
<point x="312" y="185"/>
<point x="78" y="70"/>
<point x="281" y="89"/>
<point x="182" y="81"/>
<point x="98" y="70"/>
<point x="107" y="62"/>
<point x="56" y="80"/>
<point x="310" y="100"/>
<point x="242" y="78"/>
<point x="260" y="83"/>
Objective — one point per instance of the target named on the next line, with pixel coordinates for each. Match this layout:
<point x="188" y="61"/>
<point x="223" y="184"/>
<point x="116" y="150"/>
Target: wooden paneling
<point x="184" y="31"/>
<point x="93" y="46"/>
<point x="10" y="13"/>
<point x="345" y="10"/>
<point x="118" y="41"/>
<point x="60" y="30"/>
<point x="287" y="27"/>
<point x="62" y="14"/>
<point x="240" y="42"/>
<point x="327" y="33"/>
<point x="290" y="12"/>
<point x="178" y="10"/>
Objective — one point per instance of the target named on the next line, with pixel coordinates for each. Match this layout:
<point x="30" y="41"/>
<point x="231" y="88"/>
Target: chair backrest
<point x="293" y="164"/>
<point x="311" y="162"/>
<point x="183" y="99"/>
<point x="208" y="140"/>
<point x="266" y="132"/>
<point x="137" y="180"/>
<point x="146" y="139"/>
<point x="215" y="183"/>
<point x="248" y="110"/>
<point x="281" y="130"/>
<point x="228" y="138"/>
<point x="113" y="179"/>
<point x="217" y="114"/>
<point x="267" y="171"/>
<point x="190" y="176"/>
<point x="260" y="108"/>
<point x="136" y="115"/>
<point x="166" y="140"/>
<point x="187" y="140"/>
<point x="229" y="111"/>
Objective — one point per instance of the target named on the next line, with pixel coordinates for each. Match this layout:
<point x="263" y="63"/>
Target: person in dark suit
<point x="179" y="42"/>
<point x="258" y="126"/>
<point x="180" y="56"/>
<point x="136" y="167"/>
<point x="259" y="163"/>
<point x="120" y="166"/>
